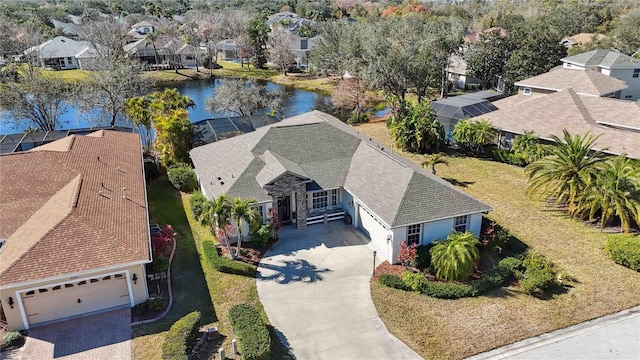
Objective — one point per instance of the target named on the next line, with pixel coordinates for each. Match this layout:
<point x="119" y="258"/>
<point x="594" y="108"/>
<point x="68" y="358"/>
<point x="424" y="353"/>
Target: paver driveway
<point x="314" y="286"/>
<point x="95" y="337"/>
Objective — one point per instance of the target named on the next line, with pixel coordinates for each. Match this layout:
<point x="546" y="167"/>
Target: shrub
<point x="392" y="281"/>
<point x="494" y="237"/>
<point x="423" y="259"/>
<point x="197" y="201"/>
<point x="514" y="265"/>
<point x="419" y="283"/>
<point x="181" y="337"/>
<point x="624" y="250"/>
<point x="160" y="264"/>
<point x="492" y="279"/>
<point x="261" y="236"/>
<point x="255" y="343"/>
<point x="182" y="177"/>
<point x="156" y="303"/>
<point x="508" y="157"/>
<point x="539" y="275"/>
<point x="224" y="264"/>
<point x="453" y="258"/>
<point x="11" y="338"/>
<point x="407" y="254"/>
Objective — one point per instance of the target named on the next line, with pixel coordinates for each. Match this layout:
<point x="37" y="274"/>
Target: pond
<point x="296" y="101"/>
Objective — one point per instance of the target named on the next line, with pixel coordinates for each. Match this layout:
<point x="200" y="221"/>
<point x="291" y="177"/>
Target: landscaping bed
<point x="454" y="329"/>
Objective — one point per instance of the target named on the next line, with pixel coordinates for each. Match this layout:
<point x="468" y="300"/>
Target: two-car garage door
<point x="75" y="298"/>
<point x="375" y="231"/>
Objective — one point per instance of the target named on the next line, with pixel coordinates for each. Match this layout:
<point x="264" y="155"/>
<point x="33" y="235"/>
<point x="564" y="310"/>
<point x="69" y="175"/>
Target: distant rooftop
<point x="24" y="141"/>
<point x="603" y="58"/>
<point x="212" y="130"/>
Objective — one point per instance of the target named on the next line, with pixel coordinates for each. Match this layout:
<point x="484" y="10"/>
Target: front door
<point x="284" y="210"/>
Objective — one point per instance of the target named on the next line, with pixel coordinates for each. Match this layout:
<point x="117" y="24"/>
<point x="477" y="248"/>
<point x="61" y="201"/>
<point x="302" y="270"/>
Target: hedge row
<point x="492" y="279"/>
<point x="624" y="250"/>
<point x="507" y="157"/>
<point x="224" y="264"/>
<point x="247" y="324"/>
<point x="181" y="337"/>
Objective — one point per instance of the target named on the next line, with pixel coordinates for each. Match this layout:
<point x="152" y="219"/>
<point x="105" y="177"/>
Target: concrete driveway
<point x="314" y="286"/>
<point x="95" y="337"/>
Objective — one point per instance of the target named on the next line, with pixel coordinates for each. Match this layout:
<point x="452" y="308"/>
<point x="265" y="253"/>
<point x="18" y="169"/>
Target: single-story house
<point x="227" y="49"/>
<point x="68" y="29"/>
<point x="611" y="63"/>
<point x="75" y="228"/>
<point x="618" y="121"/>
<point x="314" y="168"/>
<point x="588" y="82"/>
<point x="62" y="53"/>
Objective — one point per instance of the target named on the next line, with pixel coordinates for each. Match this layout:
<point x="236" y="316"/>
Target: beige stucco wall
<point x="14" y="317"/>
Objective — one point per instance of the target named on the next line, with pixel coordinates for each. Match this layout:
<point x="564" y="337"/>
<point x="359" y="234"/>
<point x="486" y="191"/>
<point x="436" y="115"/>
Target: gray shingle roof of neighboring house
<point x="609" y="59"/>
<point x="332" y="154"/>
<point x="70" y="29"/>
<point x="589" y="82"/>
<point x="59" y="47"/>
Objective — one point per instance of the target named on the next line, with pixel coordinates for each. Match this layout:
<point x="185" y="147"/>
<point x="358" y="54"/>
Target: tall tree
<point x="279" y="46"/>
<point x="217" y="215"/>
<point x="419" y="131"/>
<point x="488" y="57"/>
<point x="139" y="111"/>
<point x="258" y="33"/>
<point x="243" y="98"/>
<point x="350" y="94"/>
<point x="39" y="100"/>
<point x="473" y="135"/>
<point x="564" y="175"/>
<point x="243" y="211"/>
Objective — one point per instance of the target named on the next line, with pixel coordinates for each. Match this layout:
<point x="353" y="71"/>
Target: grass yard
<point x="444" y="329"/>
<point x="196" y="285"/>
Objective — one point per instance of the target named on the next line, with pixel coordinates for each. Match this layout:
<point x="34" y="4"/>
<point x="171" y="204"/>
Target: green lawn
<point x="196" y="285"/>
<point x="441" y="329"/>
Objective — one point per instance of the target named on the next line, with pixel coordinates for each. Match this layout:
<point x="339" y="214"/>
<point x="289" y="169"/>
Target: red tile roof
<point x="63" y="210"/>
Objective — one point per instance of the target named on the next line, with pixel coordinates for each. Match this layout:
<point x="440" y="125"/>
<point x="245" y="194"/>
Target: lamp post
<point x="374" y="263"/>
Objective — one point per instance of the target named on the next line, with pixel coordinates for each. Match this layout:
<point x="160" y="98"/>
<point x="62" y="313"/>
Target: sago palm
<point x="565" y="173"/>
<point x="614" y="193"/>
<point x="243" y="211"/>
<point x="453" y="258"/>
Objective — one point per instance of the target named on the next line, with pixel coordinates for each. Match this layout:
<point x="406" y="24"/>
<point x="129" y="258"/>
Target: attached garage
<point x="375" y="230"/>
<point x="74" y="298"/>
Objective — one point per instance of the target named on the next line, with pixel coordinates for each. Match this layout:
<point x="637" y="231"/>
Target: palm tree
<point x="528" y="146"/>
<point x="216" y="214"/>
<point x="150" y="39"/>
<point x="243" y="211"/>
<point x="615" y="192"/>
<point x="453" y="258"/>
<point x="473" y="134"/>
<point x="433" y="160"/>
<point x="138" y="110"/>
<point x="565" y="173"/>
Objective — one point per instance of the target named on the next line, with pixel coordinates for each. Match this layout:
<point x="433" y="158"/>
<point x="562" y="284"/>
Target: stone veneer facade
<point x="284" y="186"/>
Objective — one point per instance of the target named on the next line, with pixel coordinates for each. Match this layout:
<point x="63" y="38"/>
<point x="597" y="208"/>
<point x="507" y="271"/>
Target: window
<point x="526" y="91"/>
<point x="68" y="285"/>
<point x="93" y="280"/>
<point x="460" y="223"/>
<point x="30" y="293"/>
<point x="118" y="276"/>
<point x="636" y="73"/>
<point x="83" y="282"/>
<point x="70" y="60"/>
<point x="42" y="290"/>
<point x="413" y="234"/>
<point x="58" y="287"/>
<point x="319" y="200"/>
<point x="261" y="212"/>
<point x="334" y="197"/>
<point x="106" y="278"/>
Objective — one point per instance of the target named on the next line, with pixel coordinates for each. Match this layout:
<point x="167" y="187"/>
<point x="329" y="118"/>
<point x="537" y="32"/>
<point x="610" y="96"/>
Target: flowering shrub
<point x="163" y="240"/>
<point x="407" y="254"/>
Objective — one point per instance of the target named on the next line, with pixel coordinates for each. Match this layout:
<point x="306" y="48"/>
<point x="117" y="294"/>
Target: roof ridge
<point x="583" y="110"/>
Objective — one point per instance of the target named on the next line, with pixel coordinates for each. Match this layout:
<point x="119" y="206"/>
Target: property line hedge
<point x="224" y="264"/>
<point x="624" y="250"/>
<point x="492" y="279"/>
<point x="181" y="337"/>
<point x="253" y="336"/>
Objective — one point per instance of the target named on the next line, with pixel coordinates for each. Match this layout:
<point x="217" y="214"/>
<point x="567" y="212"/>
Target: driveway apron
<point x="94" y="337"/>
<point x="314" y="286"/>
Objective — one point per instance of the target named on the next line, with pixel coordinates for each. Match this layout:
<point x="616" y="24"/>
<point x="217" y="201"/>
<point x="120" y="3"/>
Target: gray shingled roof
<point x="603" y="58"/>
<point x="332" y="154"/>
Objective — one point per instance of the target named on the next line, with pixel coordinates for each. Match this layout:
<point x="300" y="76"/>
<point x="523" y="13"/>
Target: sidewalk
<point x="615" y="336"/>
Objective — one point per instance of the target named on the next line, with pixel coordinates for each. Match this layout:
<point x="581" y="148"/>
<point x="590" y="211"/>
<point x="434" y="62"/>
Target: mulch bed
<point x="249" y="252"/>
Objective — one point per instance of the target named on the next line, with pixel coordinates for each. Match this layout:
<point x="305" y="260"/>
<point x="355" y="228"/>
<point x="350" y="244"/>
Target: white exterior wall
<point x="633" y="91"/>
<point x="346" y="199"/>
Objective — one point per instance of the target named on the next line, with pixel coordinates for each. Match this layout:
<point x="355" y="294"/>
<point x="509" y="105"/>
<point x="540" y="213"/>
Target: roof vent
<point x="219" y="178"/>
<point x="124" y="192"/>
<point x="2" y="242"/>
<point x="221" y="182"/>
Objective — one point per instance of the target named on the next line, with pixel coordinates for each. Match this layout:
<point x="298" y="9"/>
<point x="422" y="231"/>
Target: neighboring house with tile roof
<point x="581" y="39"/>
<point x="73" y="214"/>
<point x="314" y="168"/>
<point x="61" y="53"/>
<point x="589" y="82"/>
<point x="616" y="121"/>
<point x="611" y="63"/>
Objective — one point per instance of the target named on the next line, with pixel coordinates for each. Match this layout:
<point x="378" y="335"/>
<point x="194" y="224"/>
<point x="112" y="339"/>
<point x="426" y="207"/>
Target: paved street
<point x="101" y="336"/>
<point x="314" y="286"/>
<point x="615" y="336"/>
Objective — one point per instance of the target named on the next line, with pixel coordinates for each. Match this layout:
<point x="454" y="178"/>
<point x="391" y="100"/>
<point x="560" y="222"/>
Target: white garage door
<point x="75" y="298"/>
<point x="375" y="231"/>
